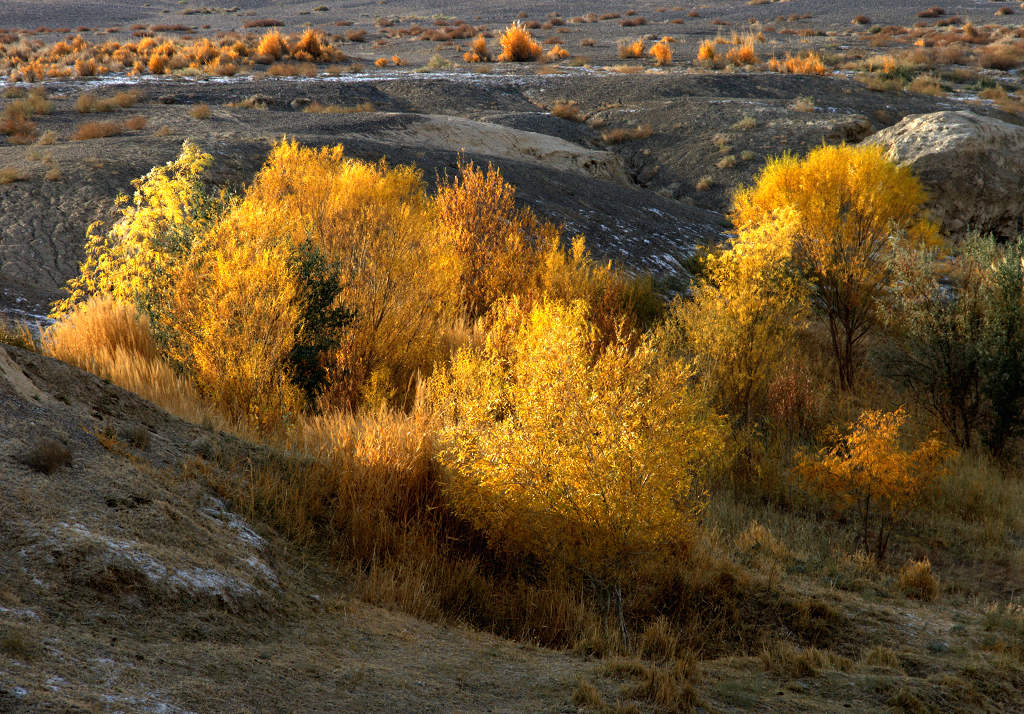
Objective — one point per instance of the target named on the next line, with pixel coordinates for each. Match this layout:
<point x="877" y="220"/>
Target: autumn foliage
<point x="574" y="452"/>
<point x="868" y="468"/>
<point x="490" y="423"/>
<point x="848" y="203"/>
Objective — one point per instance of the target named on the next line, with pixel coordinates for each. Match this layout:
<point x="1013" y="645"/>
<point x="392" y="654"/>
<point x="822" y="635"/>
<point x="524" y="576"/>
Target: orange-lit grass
<point x="518" y="45"/>
<point x="114" y="342"/>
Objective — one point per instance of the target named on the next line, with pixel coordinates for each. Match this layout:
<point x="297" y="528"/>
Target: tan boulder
<point x="971" y="165"/>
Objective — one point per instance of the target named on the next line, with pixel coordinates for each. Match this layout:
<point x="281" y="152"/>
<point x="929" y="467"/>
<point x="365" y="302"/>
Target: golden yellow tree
<point x="492" y="242"/>
<point x="374" y="220"/>
<point x="867" y="468"/>
<point x="579" y="455"/>
<point x="134" y="262"/>
<point x="849" y="203"/>
<point x="745" y="314"/>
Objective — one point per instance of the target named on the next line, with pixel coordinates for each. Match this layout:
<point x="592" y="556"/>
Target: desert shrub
<point x="557" y="52"/>
<point x="916" y="580"/>
<point x="478" y="51"/>
<point x="743" y="318"/>
<point x="369" y="223"/>
<point x="867" y="468"/>
<point x="742" y="54"/>
<point x="10" y="175"/>
<point x="631" y="49"/>
<point x="309" y="46"/>
<point x="46" y="455"/>
<point x="959" y="338"/>
<point x="273" y="45"/>
<point x="577" y="454"/>
<point x="662" y="53"/>
<point x="331" y="282"/>
<point x="617" y="136"/>
<point x="567" y="110"/>
<point x="495" y="249"/>
<point x="88" y="103"/>
<point x="518" y="45"/>
<point x="706" y="52"/>
<point x="200" y="111"/>
<point x="492" y="241"/>
<point x="848" y="204"/>
<point x="168" y="209"/>
<point x="102" y="129"/>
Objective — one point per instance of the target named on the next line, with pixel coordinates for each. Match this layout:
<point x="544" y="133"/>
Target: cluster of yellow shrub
<point x="576" y="417"/>
<point x="27" y="61"/>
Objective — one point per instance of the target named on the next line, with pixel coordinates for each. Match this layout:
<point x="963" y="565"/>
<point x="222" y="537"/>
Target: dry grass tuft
<point x="518" y="45"/>
<point x="631" y="49"/>
<point x="802" y="104"/>
<point x="17" y="334"/>
<point x="556" y="53"/>
<point x="114" y="342"/>
<point x="745" y="124"/>
<point x="586" y="695"/>
<point x="46" y="456"/>
<point x="917" y="581"/>
<point x="567" y="110"/>
<point x="743" y="54"/>
<point x="788" y="661"/>
<point x="318" y="108"/>
<point x="273" y="45"/>
<point x="926" y="84"/>
<point x="9" y="175"/>
<point x="478" y="51"/>
<point x="706" y="52"/>
<point x="662" y="53"/>
<point x="200" y="111"/>
<point x="811" y="63"/>
<point x="617" y="136"/>
<point x="883" y="657"/>
<point x="102" y="129"/>
<point x="18" y="644"/>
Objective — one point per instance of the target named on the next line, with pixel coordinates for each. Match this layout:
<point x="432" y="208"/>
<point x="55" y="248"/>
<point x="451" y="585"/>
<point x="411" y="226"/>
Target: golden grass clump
<point x="810" y="63"/>
<point x="567" y="110"/>
<point x="631" y="49"/>
<point x="478" y="51"/>
<point x="743" y="54"/>
<point x="662" y="53"/>
<point x="89" y="103"/>
<point x="706" y="52"/>
<point x="309" y="46"/>
<point x="114" y="341"/>
<point x="200" y="111"/>
<point x="97" y="130"/>
<point x="557" y="52"/>
<point x="916" y="580"/>
<point x="518" y="45"/>
<point x="617" y="136"/>
<point x="272" y="45"/>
